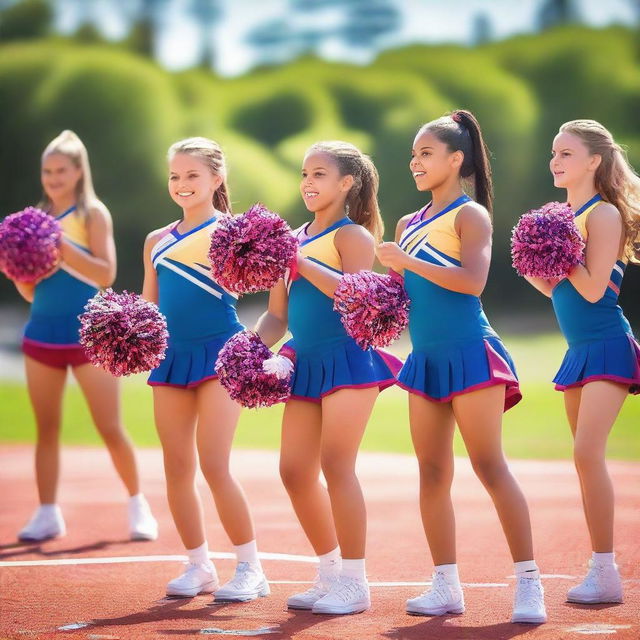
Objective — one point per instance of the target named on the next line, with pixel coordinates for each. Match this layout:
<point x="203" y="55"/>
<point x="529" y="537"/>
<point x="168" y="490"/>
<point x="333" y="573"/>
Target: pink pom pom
<point x="374" y="308"/>
<point x="29" y="245"/>
<point x="240" y="371"/>
<point x="546" y="242"/>
<point x="123" y="333"/>
<point x="251" y="252"/>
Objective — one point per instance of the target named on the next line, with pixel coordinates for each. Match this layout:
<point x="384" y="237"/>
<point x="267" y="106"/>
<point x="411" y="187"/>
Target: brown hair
<point x="615" y="180"/>
<point x="362" y="199"/>
<point x="211" y="154"/>
<point x="460" y="131"/>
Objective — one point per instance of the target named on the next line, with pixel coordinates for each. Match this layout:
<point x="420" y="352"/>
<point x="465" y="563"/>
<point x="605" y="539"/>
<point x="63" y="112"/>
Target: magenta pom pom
<point x="29" y="245"/>
<point x="546" y="242"/>
<point x="123" y="333"/>
<point x="252" y="251"/>
<point x="240" y="371"/>
<point x="374" y="308"/>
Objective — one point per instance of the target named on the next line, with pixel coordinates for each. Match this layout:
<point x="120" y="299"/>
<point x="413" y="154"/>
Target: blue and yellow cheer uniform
<point x="455" y="350"/>
<point x="201" y="315"/>
<point x="600" y="340"/>
<point x="327" y="358"/>
<point x="51" y="335"/>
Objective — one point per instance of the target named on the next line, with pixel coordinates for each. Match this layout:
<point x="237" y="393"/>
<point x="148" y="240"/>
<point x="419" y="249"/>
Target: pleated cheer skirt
<point x="342" y="365"/>
<point x="187" y="364"/>
<point x="615" y="359"/>
<point x="450" y="369"/>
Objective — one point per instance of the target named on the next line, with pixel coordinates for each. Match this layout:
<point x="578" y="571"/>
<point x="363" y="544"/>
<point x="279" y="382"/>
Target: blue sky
<point x="423" y="21"/>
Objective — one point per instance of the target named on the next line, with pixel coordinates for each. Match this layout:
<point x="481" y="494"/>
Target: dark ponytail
<point x="362" y="199"/>
<point x="460" y="131"/>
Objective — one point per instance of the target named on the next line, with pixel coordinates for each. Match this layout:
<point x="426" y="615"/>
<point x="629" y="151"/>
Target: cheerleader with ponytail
<point x="335" y="383"/>
<point x="458" y="371"/>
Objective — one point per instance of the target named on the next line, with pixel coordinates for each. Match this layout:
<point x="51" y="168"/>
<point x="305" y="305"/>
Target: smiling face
<point x="321" y="184"/>
<point x="571" y="163"/>
<point x="432" y="163"/>
<point x="191" y="182"/>
<point x="59" y="176"/>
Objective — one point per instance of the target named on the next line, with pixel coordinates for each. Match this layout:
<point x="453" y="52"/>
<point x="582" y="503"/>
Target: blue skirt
<point x="187" y="364"/>
<point x="342" y="365"/>
<point x="449" y="369"/>
<point x="615" y="359"/>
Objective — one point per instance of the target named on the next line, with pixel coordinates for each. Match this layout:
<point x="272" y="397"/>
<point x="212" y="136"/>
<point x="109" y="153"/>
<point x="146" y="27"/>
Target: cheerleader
<point x="458" y="371"/>
<point x="602" y="364"/>
<point x="195" y="417"/>
<point x="335" y="383"/>
<point x="51" y="340"/>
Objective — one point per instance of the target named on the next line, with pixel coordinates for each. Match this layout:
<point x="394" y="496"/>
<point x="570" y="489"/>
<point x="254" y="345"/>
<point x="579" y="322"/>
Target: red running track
<point x="124" y="599"/>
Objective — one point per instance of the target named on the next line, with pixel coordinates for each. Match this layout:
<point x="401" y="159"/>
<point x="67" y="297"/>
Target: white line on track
<point x="217" y="555"/>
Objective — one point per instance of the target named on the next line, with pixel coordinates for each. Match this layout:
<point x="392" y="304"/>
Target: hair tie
<point x="456" y="117"/>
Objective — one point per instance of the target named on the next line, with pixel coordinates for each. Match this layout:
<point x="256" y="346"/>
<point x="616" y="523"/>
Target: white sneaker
<point x="196" y="579"/>
<point x="443" y="597"/>
<point x="308" y="598"/>
<point x="46" y="523"/>
<point x="528" y="603"/>
<point x="142" y="524"/>
<point x="602" y="584"/>
<point x="345" y="595"/>
<point x="248" y="583"/>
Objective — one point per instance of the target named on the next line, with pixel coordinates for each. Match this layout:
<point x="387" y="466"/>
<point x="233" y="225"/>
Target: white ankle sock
<point x="49" y="509"/>
<point x="450" y="572"/>
<point x="526" y="569"/>
<point x="137" y="499"/>
<point x="330" y="563"/>
<point x="603" y="559"/>
<point x="247" y="552"/>
<point x="199" y="555"/>
<point x="354" y="569"/>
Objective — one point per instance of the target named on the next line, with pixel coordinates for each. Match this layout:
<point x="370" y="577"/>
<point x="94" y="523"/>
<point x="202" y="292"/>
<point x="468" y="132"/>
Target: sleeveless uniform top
<point x="60" y="298"/>
<point x="438" y="314"/>
<point x="201" y="314"/>
<point x="455" y="349"/>
<point x="196" y="307"/>
<point x="326" y="357"/>
<point x="601" y="343"/>
<point x="579" y="319"/>
<point x="312" y="320"/>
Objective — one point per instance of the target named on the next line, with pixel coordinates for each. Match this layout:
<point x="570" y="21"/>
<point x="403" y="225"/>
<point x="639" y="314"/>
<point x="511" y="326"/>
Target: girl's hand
<point x="392" y="256"/>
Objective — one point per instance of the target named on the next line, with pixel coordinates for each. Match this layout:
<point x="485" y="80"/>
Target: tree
<point x="207" y="14"/>
<point x="369" y="20"/>
<point x="147" y="22"/>
<point x="26" y="19"/>
<point x="481" y="29"/>
<point x="553" y="13"/>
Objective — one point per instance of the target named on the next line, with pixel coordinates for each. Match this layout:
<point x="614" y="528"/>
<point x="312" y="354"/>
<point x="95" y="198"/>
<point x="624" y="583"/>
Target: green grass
<point x="535" y="428"/>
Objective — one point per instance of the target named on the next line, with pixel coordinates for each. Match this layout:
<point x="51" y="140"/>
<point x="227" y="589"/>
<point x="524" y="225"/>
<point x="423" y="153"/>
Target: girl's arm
<point x="272" y="324"/>
<point x="604" y="228"/>
<point x="356" y="247"/>
<point x="100" y="265"/>
<point x="25" y="289"/>
<point x="474" y="227"/>
<point x="543" y="285"/>
<point x="150" y="284"/>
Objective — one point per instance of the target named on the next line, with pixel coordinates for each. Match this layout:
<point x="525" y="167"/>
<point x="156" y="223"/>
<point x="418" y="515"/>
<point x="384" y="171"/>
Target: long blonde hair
<point x="362" y="199"/>
<point x="615" y="179"/>
<point x="211" y="154"/>
<point x="68" y="144"/>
